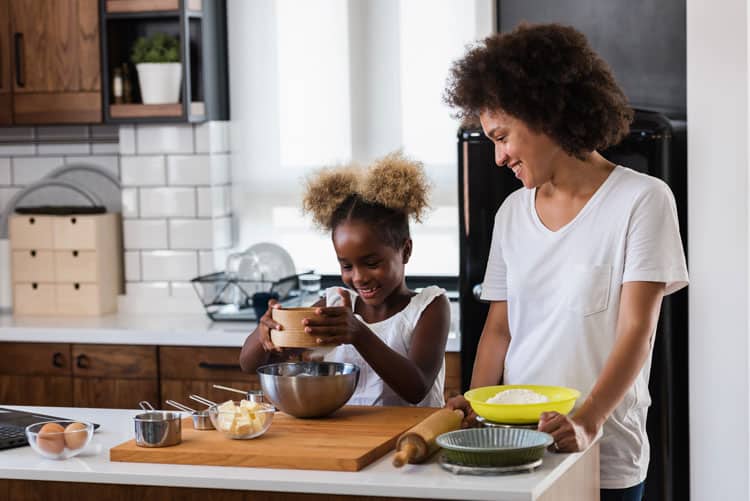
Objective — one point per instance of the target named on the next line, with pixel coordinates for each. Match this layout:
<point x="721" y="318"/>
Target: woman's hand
<point x="336" y="324"/>
<point x="265" y="324"/>
<point x="459" y="402"/>
<point x="570" y="434"/>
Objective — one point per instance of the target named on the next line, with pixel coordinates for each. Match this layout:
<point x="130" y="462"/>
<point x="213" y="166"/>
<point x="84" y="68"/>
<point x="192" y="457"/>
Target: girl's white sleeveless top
<point x="396" y="332"/>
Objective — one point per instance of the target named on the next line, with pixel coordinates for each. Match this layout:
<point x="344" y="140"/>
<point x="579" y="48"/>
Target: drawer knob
<point x="76" y="286"/>
<point x="82" y="361"/>
<point x="58" y="360"/>
<point x="34" y="285"/>
<point x="75" y="253"/>
<point x="73" y="220"/>
<point x="33" y="253"/>
<point x="32" y="220"/>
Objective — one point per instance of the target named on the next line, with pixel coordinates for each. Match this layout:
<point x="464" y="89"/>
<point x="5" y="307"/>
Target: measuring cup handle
<point x="145" y="405"/>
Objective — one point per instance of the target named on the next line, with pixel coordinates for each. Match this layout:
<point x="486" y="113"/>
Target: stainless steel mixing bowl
<point x="308" y="389"/>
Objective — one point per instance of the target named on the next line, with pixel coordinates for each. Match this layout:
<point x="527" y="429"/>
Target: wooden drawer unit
<point x="31" y="265"/>
<point x="31" y="232"/>
<point x="79" y="256"/>
<point x="194" y="370"/>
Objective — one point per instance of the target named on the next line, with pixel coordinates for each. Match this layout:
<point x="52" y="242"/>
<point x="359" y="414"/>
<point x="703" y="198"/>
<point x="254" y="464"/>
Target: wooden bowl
<point x="293" y="335"/>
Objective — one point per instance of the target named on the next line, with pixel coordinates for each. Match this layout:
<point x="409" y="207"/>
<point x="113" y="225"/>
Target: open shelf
<point x="200" y="26"/>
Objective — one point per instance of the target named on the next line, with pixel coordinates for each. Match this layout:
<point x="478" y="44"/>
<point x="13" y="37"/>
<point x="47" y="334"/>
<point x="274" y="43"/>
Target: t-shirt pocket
<point x="588" y="288"/>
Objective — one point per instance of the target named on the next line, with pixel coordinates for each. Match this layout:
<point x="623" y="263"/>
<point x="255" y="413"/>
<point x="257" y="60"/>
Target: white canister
<point x="6" y="290"/>
<point x="159" y="82"/>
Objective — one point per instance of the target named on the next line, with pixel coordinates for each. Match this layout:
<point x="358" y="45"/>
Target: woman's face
<point x="530" y="155"/>
<point x="372" y="268"/>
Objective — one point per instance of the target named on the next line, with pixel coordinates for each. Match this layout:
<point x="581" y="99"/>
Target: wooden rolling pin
<point x="418" y="443"/>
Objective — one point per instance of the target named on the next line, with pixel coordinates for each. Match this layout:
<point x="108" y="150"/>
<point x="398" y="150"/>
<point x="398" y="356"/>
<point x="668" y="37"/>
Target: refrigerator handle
<point x="477" y="291"/>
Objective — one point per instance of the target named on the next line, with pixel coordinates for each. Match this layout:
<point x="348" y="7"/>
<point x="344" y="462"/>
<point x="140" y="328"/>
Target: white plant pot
<point x="159" y="82"/>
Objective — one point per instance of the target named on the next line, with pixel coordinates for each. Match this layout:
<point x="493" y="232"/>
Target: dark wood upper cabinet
<point x="6" y="105"/>
<point x="56" y="72"/>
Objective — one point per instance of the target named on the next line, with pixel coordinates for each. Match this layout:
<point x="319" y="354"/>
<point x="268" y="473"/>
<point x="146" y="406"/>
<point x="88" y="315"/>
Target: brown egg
<point x="75" y="435"/>
<point x="50" y="438"/>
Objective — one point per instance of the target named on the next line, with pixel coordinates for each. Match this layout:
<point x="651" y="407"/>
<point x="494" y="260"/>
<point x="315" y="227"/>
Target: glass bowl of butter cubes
<point x="242" y="419"/>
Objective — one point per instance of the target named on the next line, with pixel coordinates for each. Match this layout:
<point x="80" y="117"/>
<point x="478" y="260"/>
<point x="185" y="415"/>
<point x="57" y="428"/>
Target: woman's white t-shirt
<point x="395" y="331"/>
<point x="563" y="292"/>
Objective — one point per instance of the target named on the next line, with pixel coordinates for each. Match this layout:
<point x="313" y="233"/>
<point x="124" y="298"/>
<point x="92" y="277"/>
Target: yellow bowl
<point x="561" y="399"/>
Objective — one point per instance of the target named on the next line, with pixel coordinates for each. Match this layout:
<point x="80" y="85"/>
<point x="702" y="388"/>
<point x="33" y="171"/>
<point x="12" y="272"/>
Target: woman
<point x="582" y="255"/>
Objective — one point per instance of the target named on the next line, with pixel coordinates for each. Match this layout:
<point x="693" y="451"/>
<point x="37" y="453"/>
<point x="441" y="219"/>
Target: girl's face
<point x="530" y="155"/>
<point x="372" y="268"/>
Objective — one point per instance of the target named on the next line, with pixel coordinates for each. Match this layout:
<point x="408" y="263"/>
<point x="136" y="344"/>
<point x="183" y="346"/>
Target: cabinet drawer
<point x="114" y="361"/>
<point x="75" y="266"/>
<point x="35" y="359"/>
<point x="31" y="232"/>
<point x="78" y="299"/>
<point x="33" y="266"/>
<point x="75" y="232"/>
<point x="34" y="299"/>
<point x="183" y="362"/>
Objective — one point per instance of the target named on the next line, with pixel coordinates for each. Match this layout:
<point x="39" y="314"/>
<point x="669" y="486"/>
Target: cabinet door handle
<point x="82" y="361"/>
<point x="219" y="367"/>
<point x="58" y="360"/>
<point x="18" y="43"/>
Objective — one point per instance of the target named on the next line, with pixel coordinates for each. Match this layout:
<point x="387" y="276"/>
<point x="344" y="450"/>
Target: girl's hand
<point x="335" y="324"/>
<point x="570" y="435"/>
<point x="265" y="324"/>
<point x="459" y="402"/>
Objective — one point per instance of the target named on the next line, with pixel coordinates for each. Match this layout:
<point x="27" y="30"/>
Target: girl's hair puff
<point x="384" y="196"/>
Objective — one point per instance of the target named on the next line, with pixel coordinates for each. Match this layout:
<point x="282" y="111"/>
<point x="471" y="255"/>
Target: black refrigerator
<point x="656" y="145"/>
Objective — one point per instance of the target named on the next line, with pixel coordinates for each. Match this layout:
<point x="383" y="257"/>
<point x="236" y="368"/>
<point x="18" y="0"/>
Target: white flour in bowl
<point x="518" y="396"/>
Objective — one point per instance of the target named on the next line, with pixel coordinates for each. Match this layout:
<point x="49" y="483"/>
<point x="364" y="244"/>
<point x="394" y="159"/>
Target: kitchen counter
<point x="572" y="475"/>
<point x="142" y="329"/>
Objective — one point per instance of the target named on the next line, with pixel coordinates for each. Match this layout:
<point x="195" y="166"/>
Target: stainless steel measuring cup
<point x="157" y="428"/>
<point x="251" y="395"/>
<point x="201" y="419"/>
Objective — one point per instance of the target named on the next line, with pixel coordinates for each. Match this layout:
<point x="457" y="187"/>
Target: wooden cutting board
<point x="348" y="440"/>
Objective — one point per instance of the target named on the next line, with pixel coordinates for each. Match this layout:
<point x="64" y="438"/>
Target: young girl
<point x="394" y="335"/>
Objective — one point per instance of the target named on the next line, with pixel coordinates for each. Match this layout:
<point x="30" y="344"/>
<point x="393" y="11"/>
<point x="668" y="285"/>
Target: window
<point x="325" y="82"/>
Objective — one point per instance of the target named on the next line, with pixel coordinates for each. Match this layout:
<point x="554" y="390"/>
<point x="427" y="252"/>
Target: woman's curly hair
<point x="549" y="77"/>
<point x="383" y="195"/>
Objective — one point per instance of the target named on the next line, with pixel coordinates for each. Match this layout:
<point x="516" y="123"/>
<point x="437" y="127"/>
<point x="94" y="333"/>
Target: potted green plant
<point x="157" y="60"/>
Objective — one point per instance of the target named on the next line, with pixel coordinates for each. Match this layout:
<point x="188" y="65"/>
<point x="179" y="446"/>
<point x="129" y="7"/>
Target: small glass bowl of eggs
<point x="59" y="439"/>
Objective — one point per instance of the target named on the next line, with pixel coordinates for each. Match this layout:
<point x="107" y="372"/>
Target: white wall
<point x="717" y="103"/>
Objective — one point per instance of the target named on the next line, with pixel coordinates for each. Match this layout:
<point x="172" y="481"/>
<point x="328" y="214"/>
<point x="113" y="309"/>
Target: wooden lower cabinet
<point x="452" y="385"/>
<point x="186" y="370"/>
<point x="35" y="374"/>
<point x="37" y="490"/>
<point x="114" y="376"/>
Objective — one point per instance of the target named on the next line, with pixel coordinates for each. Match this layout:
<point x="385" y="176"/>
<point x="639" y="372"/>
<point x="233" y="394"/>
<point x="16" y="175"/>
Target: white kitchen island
<point x="91" y="475"/>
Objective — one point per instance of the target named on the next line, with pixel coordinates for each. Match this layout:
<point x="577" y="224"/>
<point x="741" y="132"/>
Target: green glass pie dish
<point x="494" y="446"/>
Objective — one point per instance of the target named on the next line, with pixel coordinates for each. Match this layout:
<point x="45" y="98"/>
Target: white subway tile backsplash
<point x="152" y="292"/>
<point x="223" y="233"/>
<point x="143" y="171"/>
<point x="104" y="148"/>
<point x="212" y="137"/>
<point x="205" y="203"/>
<point x="129" y="203"/>
<point x="63" y="148"/>
<point x="127" y="139"/>
<point x="164" y="139"/>
<point x="76" y="132"/>
<point x="5" y="177"/>
<point x="132" y="266"/>
<point x="169" y="265"/>
<point x="106" y="132"/>
<point x="110" y="163"/>
<point x="5" y="195"/>
<point x="212" y="261"/>
<point x="17" y="149"/>
<point x="220" y="169"/>
<point x="189" y="170"/>
<point x="191" y="234"/>
<point x="214" y="201"/>
<point x="145" y="233"/>
<point x="184" y="290"/>
<point x="27" y="170"/>
<point x="167" y="202"/>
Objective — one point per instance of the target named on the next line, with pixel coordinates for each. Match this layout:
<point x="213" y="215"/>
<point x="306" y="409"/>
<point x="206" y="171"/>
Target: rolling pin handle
<point x="406" y="454"/>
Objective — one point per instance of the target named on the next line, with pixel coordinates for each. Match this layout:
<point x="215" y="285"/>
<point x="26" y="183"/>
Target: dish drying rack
<point x="228" y="298"/>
